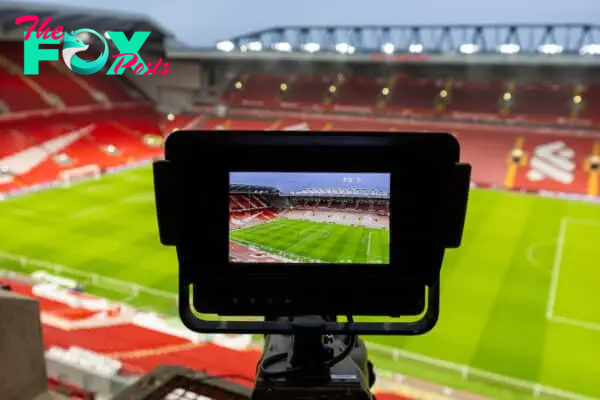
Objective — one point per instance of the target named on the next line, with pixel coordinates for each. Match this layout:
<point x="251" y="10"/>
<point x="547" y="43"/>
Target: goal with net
<point x="87" y="172"/>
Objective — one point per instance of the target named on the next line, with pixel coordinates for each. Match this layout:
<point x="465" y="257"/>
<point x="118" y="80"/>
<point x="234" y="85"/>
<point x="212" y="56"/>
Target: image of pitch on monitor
<point x="334" y="218"/>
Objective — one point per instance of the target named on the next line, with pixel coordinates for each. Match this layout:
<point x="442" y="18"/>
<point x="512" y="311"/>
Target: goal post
<point x="84" y="173"/>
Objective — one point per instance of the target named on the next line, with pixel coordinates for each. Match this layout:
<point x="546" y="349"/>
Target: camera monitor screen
<point x="306" y="217"/>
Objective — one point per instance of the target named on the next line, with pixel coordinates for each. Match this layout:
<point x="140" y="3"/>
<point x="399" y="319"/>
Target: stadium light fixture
<point x="344" y="48"/>
<point x="283" y="47"/>
<point x="468" y="48"/>
<point x="252" y="46"/>
<point x="590" y="50"/>
<point x="226" y="46"/>
<point x="388" y="48"/>
<point x="509" y="48"/>
<point x="550" y="48"/>
<point x="415" y="48"/>
<point x="311" y="47"/>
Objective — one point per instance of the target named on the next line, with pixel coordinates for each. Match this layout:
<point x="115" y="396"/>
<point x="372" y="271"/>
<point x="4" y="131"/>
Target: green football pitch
<point x="519" y="298"/>
<point x="310" y="241"/>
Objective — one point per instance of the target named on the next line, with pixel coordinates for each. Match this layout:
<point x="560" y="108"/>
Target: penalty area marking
<point x="558" y="257"/>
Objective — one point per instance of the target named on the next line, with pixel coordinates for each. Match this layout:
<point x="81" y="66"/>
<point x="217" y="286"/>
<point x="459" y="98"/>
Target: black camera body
<point x="428" y="192"/>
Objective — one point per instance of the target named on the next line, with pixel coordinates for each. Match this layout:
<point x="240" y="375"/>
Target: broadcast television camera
<point x="311" y="310"/>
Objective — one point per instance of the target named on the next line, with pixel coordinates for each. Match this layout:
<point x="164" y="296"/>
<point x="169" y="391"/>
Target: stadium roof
<point x="558" y="44"/>
<point x="73" y="18"/>
<point x="241" y="188"/>
<point x="341" y="192"/>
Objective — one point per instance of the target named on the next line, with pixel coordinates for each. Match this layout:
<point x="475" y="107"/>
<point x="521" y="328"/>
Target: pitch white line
<point x="556" y="268"/>
<point x="369" y="245"/>
<point x="576" y="322"/>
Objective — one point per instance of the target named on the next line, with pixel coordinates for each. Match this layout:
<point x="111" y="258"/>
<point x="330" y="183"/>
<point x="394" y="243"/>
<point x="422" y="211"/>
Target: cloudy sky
<point x="203" y="22"/>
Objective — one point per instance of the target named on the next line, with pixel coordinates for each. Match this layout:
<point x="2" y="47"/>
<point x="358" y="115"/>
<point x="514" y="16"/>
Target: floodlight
<point x="226" y="46"/>
<point x="509" y="48"/>
<point x="311" y="47"/>
<point x="388" y="48"/>
<point x="415" y="48"/>
<point x="283" y="47"/>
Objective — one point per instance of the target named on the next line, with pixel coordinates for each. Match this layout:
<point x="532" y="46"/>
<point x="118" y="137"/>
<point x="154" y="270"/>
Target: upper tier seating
<point x="358" y="91"/>
<point x="476" y="97"/>
<point x="402" y="93"/>
<point x="263" y="88"/>
<point x="542" y="100"/>
<point x="414" y="94"/>
<point x="591" y="102"/>
<point x="307" y="90"/>
<point x="55" y="86"/>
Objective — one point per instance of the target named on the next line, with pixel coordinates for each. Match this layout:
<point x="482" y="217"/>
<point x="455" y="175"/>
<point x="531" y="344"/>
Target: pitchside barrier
<point x="429" y="368"/>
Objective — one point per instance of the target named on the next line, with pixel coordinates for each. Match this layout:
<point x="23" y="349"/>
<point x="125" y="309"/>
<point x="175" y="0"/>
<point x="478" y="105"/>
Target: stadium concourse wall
<point x="51" y="273"/>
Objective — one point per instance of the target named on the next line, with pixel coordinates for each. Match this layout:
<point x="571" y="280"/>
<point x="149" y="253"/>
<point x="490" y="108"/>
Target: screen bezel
<point x="416" y="223"/>
<point x="342" y="175"/>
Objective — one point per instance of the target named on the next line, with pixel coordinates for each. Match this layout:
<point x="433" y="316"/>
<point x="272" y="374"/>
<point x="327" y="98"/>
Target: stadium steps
<point x="383" y="100"/>
<point x="284" y="94"/>
<point x="507" y="104"/>
<point x="26" y="99"/>
<point x="333" y="89"/>
<point x="51" y="99"/>
<point x="98" y="96"/>
<point x="445" y="96"/>
<point x="577" y="107"/>
<point x="238" y="205"/>
<point x="32" y="140"/>
<point x="236" y="94"/>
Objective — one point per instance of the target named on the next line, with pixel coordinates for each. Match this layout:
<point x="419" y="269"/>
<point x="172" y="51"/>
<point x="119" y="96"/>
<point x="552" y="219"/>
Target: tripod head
<point x="308" y="364"/>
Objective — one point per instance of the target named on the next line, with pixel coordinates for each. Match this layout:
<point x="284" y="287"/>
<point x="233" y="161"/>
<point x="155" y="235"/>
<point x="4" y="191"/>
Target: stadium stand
<point x="402" y="93"/>
<point x="58" y="127"/>
<point x="487" y="148"/>
<point x="136" y="342"/>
